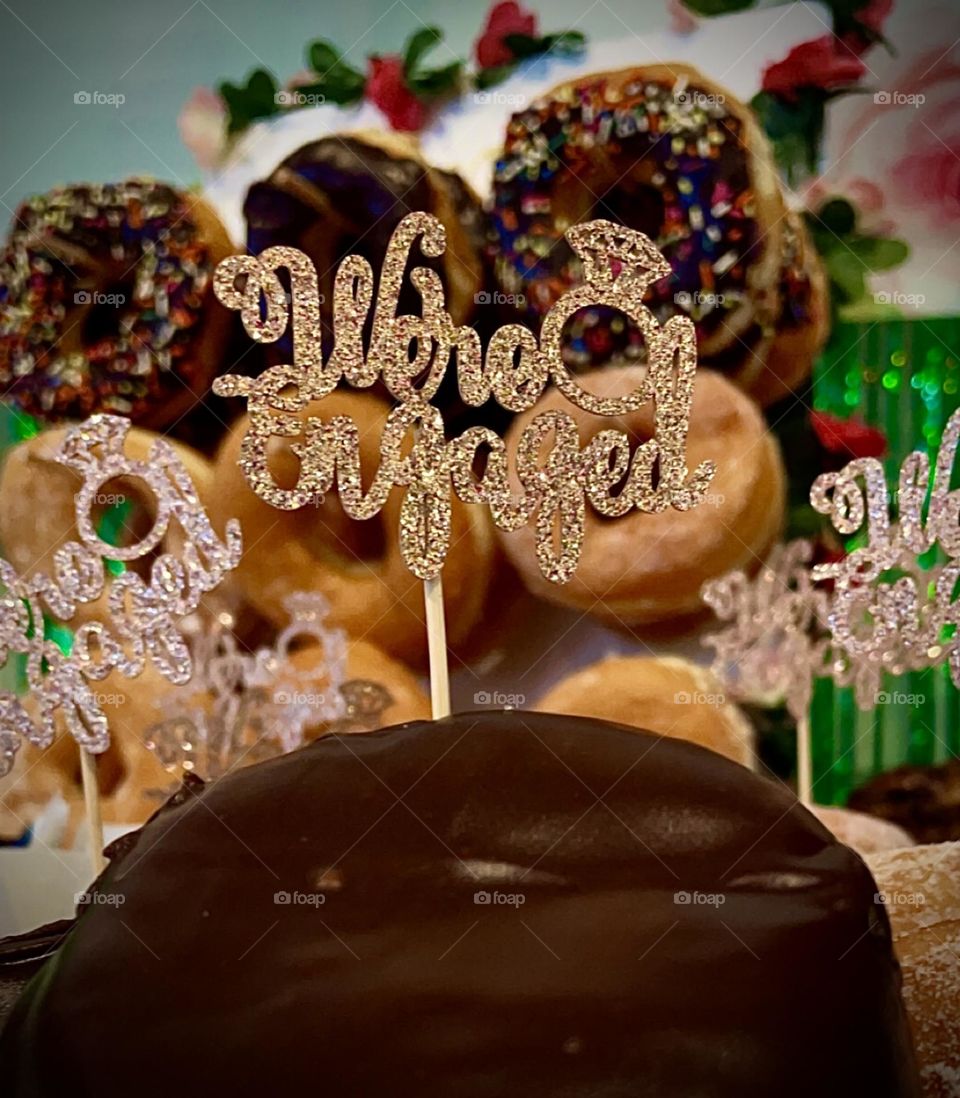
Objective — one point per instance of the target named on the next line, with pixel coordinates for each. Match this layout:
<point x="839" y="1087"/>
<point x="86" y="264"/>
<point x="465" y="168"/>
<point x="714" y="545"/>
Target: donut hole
<point x="101" y="319"/>
<point x="598" y="335"/>
<point x="634" y="203"/>
<point x="123" y="513"/>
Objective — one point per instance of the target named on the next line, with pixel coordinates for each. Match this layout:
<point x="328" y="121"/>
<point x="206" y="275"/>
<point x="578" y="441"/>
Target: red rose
<point x="386" y="88"/>
<point x="504" y="19"/>
<point x="850" y="438"/>
<point x="820" y="63"/>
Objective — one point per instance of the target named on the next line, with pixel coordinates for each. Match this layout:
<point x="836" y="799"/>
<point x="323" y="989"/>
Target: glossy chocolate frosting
<point x="497" y="904"/>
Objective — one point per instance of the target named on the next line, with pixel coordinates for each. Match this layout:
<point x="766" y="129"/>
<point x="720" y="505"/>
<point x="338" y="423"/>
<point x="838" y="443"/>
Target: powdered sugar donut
<point x="921" y="889"/>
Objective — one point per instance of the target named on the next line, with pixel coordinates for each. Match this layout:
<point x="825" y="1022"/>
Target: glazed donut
<point x="106" y="302"/>
<point x="645" y="568"/>
<point x="346" y="194"/>
<point x="306" y="672"/>
<point x="672" y="697"/>
<point x="37" y="511"/>
<point x="357" y="566"/>
<point x="921" y="888"/>
<point x="366" y="662"/>
<point x="677" y="157"/>
<point x="862" y="833"/>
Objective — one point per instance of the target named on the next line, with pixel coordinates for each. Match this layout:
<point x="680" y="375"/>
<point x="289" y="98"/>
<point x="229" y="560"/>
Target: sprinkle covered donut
<point x="106" y="302"/>
<point x="665" y="151"/>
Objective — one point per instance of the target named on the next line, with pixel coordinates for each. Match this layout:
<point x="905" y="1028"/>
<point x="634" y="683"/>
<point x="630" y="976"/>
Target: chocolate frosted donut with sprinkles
<point x="106" y="302"/>
<point x="665" y="151"/>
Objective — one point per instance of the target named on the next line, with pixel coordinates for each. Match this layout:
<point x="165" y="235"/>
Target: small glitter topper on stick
<point x="878" y="609"/>
<point x="888" y="612"/>
<point x="410" y="354"/>
<point x="143" y="615"/>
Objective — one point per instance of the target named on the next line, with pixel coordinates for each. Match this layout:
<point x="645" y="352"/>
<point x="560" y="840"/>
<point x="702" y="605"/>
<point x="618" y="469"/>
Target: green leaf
<point x="838" y="216"/>
<point x="418" y="46"/>
<point x="323" y="56"/>
<point x="436" y="81"/>
<point x="565" y="44"/>
<point x="249" y="102"/>
<point x="718" y="7"/>
<point x="847" y="275"/>
<point x="880" y="253"/>
<point x="795" y="128"/>
<point x="846" y="20"/>
<point x="487" y="78"/>
<point x="523" y="45"/>
<point x="336" y="81"/>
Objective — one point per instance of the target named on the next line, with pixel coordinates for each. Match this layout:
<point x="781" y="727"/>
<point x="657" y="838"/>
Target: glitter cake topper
<point x="776" y="643"/>
<point x="888" y="612"/>
<point x="410" y="355"/>
<point x="243" y="707"/>
<point x="144" y="616"/>
<point x="877" y="609"/>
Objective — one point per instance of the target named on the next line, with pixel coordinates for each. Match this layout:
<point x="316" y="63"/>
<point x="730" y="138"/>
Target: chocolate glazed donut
<point x="345" y="195"/>
<point x="665" y="151"/>
<point x="106" y="302"/>
<point x="495" y="904"/>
